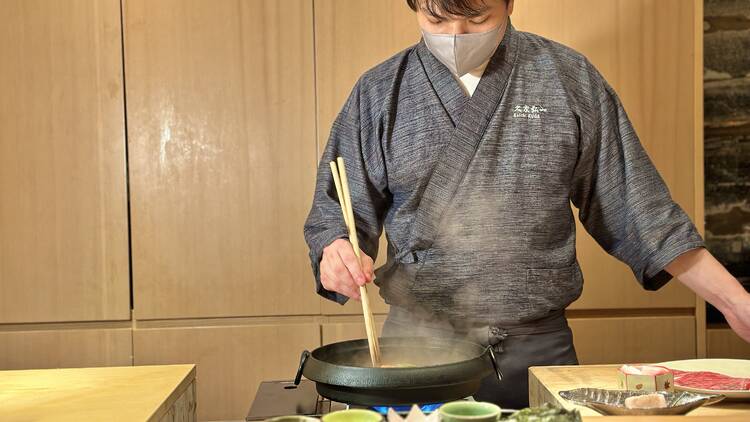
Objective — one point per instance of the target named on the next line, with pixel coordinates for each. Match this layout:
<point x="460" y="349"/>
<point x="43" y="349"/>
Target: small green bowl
<point x="353" y="415"/>
<point x="469" y="411"/>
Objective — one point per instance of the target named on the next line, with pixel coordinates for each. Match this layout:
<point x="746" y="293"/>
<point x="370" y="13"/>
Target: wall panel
<point x="65" y="348"/>
<point x="633" y="339"/>
<point x="222" y="156"/>
<point x="63" y="205"/>
<point x="724" y="343"/>
<point x="335" y="331"/>
<point x="231" y="360"/>
<point x="351" y="36"/>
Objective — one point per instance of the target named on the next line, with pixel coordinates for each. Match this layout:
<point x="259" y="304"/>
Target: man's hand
<point x="340" y="270"/>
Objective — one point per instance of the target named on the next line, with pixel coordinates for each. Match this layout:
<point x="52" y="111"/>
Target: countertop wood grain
<point x="545" y="382"/>
<point x="132" y="393"/>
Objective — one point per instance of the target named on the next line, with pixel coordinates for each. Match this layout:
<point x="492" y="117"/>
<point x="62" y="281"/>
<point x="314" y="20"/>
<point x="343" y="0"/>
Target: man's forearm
<point x="703" y="274"/>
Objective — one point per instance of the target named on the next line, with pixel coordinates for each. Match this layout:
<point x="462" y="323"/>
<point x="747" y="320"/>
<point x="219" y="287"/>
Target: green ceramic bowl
<point x="353" y="415"/>
<point x="469" y="411"/>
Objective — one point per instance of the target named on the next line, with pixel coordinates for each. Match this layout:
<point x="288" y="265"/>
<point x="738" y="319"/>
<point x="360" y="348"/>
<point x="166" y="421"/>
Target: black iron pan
<point x="442" y="370"/>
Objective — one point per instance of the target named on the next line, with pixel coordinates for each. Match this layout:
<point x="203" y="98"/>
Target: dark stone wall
<point x="727" y="132"/>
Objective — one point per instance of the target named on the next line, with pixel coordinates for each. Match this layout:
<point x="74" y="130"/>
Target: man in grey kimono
<point x="469" y="147"/>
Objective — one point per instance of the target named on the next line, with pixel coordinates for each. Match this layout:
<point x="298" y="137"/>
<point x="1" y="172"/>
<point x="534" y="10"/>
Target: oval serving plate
<point x="612" y="402"/>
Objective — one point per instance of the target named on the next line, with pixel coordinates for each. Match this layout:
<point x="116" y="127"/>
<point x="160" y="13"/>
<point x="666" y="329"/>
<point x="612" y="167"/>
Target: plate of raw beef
<point x="730" y="377"/>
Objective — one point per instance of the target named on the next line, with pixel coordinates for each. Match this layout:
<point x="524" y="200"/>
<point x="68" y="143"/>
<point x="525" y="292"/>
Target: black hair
<point x="439" y="8"/>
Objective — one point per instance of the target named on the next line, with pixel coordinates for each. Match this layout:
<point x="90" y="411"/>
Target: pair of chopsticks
<point x="345" y="199"/>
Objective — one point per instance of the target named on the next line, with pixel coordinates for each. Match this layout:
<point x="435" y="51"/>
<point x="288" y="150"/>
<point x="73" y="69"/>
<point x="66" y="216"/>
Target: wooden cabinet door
<point x="634" y="339"/>
<point x="231" y="360"/>
<point x="646" y="50"/>
<point x="66" y="348"/>
<point x="723" y="343"/>
<point x="222" y="152"/>
<point x="352" y="36"/>
<point x="63" y="204"/>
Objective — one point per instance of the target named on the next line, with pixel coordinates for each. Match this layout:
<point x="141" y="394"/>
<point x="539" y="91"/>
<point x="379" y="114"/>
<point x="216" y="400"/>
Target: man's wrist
<point x="736" y="301"/>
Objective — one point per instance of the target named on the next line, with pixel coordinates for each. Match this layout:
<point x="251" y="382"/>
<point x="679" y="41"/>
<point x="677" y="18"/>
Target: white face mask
<point x="461" y="53"/>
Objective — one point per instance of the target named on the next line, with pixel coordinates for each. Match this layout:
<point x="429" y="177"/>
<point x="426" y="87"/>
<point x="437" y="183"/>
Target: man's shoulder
<point x="384" y="74"/>
<point x="568" y="67"/>
<point x="539" y="48"/>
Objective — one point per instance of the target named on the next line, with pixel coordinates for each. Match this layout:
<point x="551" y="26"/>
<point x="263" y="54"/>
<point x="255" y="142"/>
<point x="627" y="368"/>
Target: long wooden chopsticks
<point x="345" y="199"/>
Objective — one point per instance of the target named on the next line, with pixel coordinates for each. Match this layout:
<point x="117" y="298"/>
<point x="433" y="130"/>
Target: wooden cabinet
<point x="352" y="36"/>
<point x="633" y="339"/>
<point x="229" y="104"/>
<point x="221" y="130"/>
<point x="723" y="343"/>
<point x="231" y="360"/>
<point x="65" y="348"/>
<point x="63" y="205"/>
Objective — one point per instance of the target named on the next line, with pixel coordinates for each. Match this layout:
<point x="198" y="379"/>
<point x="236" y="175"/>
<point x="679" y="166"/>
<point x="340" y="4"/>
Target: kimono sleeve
<point x="623" y="202"/>
<point x="354" y="136"/>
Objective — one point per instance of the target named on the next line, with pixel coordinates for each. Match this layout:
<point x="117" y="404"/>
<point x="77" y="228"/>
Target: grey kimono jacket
<point x="475" y="192"/>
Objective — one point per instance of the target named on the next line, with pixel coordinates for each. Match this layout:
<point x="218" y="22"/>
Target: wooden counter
<point x="545" y="382"/>
<point x="132" y="393"/>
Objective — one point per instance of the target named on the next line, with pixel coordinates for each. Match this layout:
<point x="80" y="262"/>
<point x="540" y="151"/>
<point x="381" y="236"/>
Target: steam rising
<point x="404" y="352"/>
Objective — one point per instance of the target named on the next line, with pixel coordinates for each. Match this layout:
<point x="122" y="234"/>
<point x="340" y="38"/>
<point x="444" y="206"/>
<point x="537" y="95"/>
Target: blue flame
<point x="425" y="408"/>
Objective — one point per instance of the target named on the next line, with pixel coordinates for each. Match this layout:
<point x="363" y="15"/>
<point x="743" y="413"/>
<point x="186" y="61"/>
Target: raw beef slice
<point x="709" y="380"/>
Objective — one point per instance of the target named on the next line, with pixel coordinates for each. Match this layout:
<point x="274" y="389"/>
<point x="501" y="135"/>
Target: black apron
<point x="548" y="341"/>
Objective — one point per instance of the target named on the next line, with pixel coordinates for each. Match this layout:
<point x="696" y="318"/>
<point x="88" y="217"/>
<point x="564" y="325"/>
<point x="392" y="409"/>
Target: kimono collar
<point x="447" y="88"/>
<point x="471" y="117"/>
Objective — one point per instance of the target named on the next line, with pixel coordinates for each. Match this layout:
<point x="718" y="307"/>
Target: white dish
<point x="739" y="368"/>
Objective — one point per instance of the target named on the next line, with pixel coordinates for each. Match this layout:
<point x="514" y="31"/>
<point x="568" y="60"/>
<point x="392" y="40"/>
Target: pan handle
<point x="494" y="363"/>
<point x="302" y="360"/>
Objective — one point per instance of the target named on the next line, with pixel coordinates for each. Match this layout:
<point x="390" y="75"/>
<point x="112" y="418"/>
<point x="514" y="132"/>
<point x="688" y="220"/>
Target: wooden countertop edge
<point x="551" y="395"/>
<point x="162" y="410"/>
<point x="535" y="385"/>
<point x="599" y="365"/>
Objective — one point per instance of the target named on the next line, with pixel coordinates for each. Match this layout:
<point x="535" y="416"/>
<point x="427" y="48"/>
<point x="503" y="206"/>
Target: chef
<point x="469" y="148"/>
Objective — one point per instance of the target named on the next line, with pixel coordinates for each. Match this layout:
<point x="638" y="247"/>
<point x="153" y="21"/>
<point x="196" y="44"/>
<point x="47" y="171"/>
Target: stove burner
<point x="425" y="408"/>
<point x="282" y="398"/>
